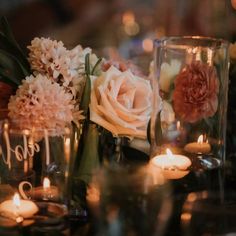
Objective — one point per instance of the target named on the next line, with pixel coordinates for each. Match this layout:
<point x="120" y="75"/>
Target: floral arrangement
<point x="54" y="86"/>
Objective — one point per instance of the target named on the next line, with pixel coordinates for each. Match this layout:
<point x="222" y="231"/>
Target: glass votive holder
<point x="48" y="154"/>
<point x="129" y="201"/>
<point x="209" y="213"/>
<point x="191" y="83"/>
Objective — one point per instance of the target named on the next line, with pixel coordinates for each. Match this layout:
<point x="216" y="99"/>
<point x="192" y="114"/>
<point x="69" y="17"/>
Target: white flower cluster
<point x="42" y="104"/>
<point x="66" y="67"/>
<point x="50" y="98"/>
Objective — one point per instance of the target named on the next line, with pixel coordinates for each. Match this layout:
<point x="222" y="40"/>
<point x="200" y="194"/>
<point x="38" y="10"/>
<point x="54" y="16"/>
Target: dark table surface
<point x="219" y="183"/>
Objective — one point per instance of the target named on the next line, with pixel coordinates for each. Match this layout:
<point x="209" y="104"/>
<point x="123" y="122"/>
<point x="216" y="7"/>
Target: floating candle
<point x="173" y="166"/>
<point x="200" y="146"/>
<point x="46" y="192"/>
<point x="18" y="209"/>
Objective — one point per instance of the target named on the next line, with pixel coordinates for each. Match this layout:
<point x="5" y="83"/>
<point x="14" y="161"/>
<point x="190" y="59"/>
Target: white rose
<point x="121" y="102"/>
<point x="168" y="72"/>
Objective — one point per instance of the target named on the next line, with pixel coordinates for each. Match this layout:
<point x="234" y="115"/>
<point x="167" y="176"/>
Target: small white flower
<point x="168" y="72"/>
<point x="167" y="113"/>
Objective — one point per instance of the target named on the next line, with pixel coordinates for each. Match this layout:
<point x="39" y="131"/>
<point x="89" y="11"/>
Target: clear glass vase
<point x="191" y="83"/>
<point x="129" y="201"/>
<point x="37" y="163"/>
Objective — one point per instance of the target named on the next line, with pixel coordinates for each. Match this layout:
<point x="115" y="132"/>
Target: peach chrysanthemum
<point x="42" y="104"/>
<point x="47" y="56"/>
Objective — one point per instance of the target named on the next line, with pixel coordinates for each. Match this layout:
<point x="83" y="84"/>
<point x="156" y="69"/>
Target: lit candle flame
<point x="169" y="154"/>
<point x="46" y="183"/>
<point x="16" y="200"/>
<point x="200" y="139"/>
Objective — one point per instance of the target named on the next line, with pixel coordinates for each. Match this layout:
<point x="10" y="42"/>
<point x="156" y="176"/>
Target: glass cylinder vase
<point x="36" y="163"/>
<point x="191" y="81"/>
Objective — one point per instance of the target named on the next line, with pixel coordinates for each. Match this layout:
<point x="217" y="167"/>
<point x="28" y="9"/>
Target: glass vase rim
<point x="25" y="127"/>
<point x="223" y="43"/>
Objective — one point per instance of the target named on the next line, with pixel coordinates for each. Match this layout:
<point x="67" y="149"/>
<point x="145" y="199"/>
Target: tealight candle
<point x="173" y="166"/>
<point x="17" y="208"/>
<point x="46" y="192"/>
<point x="200" y="146"/>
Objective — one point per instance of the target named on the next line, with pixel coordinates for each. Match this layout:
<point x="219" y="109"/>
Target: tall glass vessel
<point x="191" y="79"/>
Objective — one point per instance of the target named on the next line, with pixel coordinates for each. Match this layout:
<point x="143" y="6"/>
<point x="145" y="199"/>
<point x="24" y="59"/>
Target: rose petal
<point x="96" y="115"/>
<point x="114" y="119"/>
<point x="104" y="101"/>
<point x="131" y="133"/>
<point x="143" y="93"/>
<point x="118" y="106"/>
<point x="127" y="99"/>
<point x="126" y="114"/>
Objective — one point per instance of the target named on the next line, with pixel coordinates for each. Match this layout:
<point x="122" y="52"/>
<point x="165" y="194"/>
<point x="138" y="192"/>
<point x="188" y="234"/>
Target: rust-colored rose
<point x="196" y="91"/>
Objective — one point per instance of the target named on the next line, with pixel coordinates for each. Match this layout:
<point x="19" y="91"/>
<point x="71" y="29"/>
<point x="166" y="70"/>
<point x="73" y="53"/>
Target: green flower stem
<point x="89" y="159"/>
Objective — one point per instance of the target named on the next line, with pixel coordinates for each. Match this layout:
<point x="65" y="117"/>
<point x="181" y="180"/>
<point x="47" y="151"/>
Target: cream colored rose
<point x="168" y="72"/>
<point x="121" y="102"/>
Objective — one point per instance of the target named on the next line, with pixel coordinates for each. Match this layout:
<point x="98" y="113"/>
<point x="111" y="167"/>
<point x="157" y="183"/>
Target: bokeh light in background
<point x="118" y="28"/>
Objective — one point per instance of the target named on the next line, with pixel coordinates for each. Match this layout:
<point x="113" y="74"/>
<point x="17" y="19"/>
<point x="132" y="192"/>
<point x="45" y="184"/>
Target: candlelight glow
<point x="93" y="194"/>
<point x="178" y="125"/>
<point x="46" y="183"/>
<point x="128" y="18"/>
<point x="67" y="142"/>
<point x="169" y="154"/>
<point x="200" y="139"/>
<point x="16" y="200"/>
<point x="147" y="45"/>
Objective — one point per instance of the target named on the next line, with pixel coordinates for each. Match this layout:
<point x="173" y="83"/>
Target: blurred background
<point x="118" y="28"/>
<point x="125" y="29"/>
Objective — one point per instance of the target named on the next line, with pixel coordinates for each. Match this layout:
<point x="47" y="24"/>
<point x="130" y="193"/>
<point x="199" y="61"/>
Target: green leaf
<point x="6" y="29"/>
<point x="90" y="158"/>
<point x="149" y="131"/>
<point x="85" y="100"/>
<point x="11" y="68"/>
<point x="158" y="130"/>
<point x="14" y="50"/>
<point x="87" y="64"/>
<point x="4" y="77"/>
<point x="84" y="105"/>
<point x="96" y="65"/>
